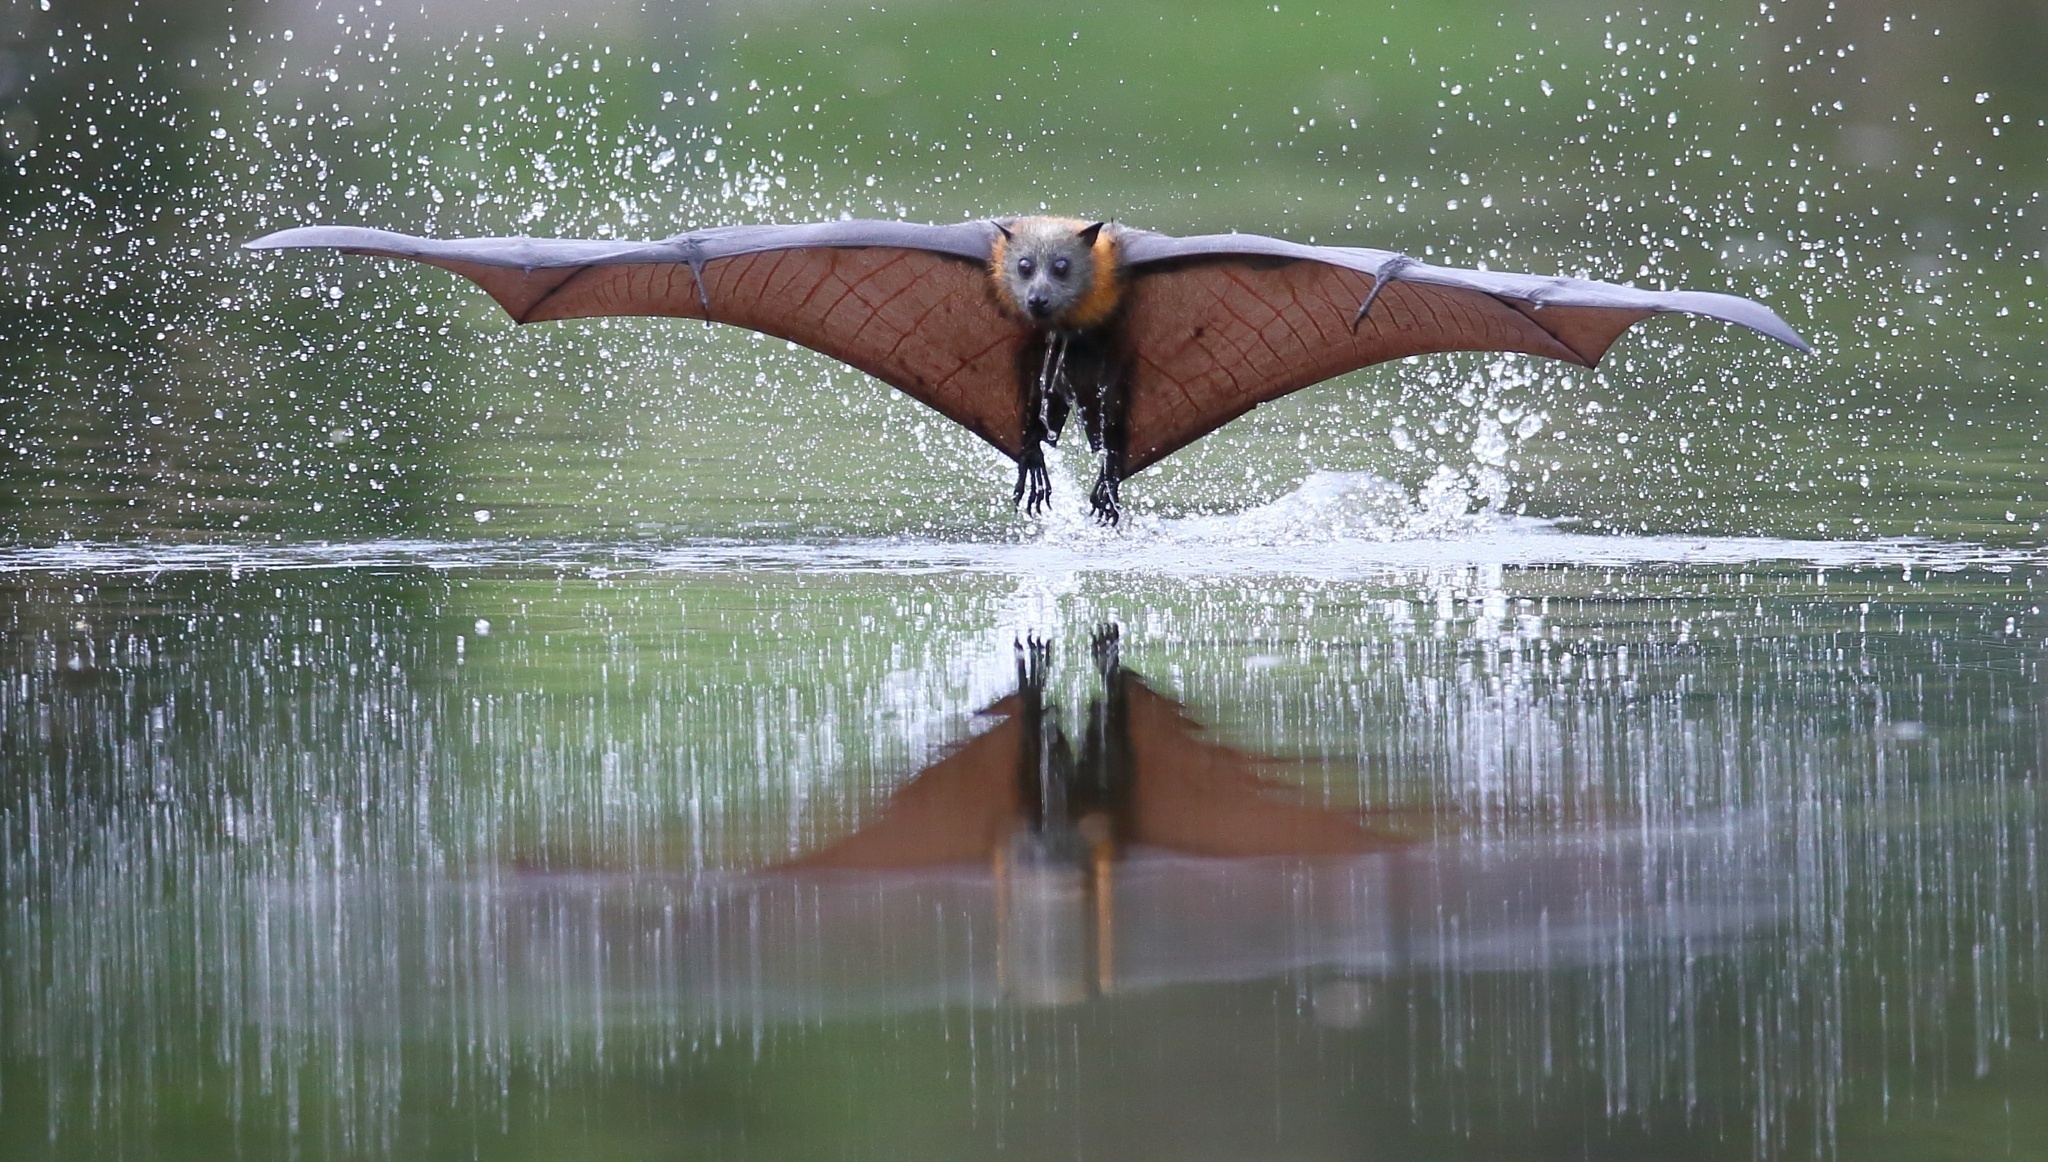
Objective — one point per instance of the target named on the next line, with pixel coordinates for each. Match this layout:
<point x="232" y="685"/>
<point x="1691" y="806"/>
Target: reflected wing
<point x="1193" y="795"/>
<point x="955" y="811"/>
<point x="1224" y="322"/>
<point x="907" y="303"/>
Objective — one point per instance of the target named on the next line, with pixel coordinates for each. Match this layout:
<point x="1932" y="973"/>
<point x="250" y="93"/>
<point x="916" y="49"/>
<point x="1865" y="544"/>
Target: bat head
<point x="1056" y="273"/>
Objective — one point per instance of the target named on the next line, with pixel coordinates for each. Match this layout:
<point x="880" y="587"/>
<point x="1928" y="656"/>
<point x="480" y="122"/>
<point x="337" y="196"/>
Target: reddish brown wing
<point x="907" y="304"/>
<point x="920" y="322"/>
<point x="1220" y="323"/>
<point x="1194" y="795"/>
<point x="958" y="810"/>
<point x="1212" y="340"/>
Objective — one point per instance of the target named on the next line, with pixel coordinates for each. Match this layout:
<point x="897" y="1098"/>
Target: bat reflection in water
<point x="1052" y="822"/>
<point x="1008" y="326"/>
<point x="1047" y="865"/>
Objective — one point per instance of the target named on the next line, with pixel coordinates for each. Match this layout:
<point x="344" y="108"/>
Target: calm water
<point x="421" y="737"/>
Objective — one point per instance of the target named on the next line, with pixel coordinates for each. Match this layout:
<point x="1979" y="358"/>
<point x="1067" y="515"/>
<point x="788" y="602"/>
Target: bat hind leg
<point x="1046" y="398"/>
<point x="1105" y="408"/>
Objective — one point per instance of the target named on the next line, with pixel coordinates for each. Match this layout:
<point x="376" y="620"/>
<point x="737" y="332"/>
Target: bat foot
<point x="1034" y="486"/>
<point x="1105" y="500"/>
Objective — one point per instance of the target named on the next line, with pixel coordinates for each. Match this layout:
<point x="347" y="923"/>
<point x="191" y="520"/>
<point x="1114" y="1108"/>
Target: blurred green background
<point x="1871" y="172"/>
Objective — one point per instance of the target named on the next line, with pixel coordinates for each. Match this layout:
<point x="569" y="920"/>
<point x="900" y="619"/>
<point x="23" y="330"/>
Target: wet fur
<point x="1093" y="378"/>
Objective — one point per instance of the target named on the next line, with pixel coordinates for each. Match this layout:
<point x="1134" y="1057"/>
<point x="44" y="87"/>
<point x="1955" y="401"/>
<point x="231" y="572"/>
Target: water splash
<point x="1331" y="507"/>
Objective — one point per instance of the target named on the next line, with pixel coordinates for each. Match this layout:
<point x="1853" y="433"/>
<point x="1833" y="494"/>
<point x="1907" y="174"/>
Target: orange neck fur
<point x="1105" y="293"/>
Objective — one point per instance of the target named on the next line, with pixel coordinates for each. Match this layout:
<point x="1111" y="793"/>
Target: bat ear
<point x="1004" y="230"/>
<point x="1088" y="233"/>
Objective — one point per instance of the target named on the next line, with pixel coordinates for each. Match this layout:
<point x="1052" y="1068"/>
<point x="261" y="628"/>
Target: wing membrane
<point x="920" y="322"/>
<point x="906" y="303"/>
<point x="1222" y="323"/>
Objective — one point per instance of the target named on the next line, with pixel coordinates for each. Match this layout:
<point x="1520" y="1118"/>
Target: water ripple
<point x="1335" y="525"/>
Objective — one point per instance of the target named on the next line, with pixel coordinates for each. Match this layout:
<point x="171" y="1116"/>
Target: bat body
<point x="1008" y="327"/>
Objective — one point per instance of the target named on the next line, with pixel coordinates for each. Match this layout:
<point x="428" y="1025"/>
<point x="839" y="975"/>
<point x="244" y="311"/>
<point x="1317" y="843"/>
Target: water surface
<point x="1725" y="849"/>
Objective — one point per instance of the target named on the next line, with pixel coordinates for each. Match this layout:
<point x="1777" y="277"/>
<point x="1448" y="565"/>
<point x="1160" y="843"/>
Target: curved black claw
<point x="1034" y="486"/>
<point x="1104" y="500"/>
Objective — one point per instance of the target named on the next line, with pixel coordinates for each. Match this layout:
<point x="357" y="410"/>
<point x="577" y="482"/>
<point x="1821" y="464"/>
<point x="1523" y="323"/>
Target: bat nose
<point x="1039" y="306"/>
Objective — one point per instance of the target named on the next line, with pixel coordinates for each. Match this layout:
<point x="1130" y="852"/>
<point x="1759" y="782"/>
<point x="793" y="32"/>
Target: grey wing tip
<point x="1736" y="309"/>
<point x="1771" y="325"/>
<point x="276" y="240"/>
<point x="323" y="237"/>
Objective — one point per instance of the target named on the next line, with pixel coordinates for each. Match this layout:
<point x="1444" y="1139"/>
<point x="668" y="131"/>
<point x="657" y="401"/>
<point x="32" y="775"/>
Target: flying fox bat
<point x="1008" y="326"/>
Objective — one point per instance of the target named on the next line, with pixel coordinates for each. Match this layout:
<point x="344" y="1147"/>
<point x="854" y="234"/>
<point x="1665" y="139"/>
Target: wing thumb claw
<point x="1389" y="271"/>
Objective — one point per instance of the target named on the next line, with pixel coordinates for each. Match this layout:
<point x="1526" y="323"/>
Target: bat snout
<point x="1039" y="305"/>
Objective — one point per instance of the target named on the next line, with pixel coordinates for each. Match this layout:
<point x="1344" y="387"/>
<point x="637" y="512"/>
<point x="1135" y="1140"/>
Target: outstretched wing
<point x="907" y="303"/>
<point x="1221" y="323"/>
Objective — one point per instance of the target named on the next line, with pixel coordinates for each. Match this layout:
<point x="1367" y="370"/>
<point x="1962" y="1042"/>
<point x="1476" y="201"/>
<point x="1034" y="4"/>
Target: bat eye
<point x="1059" y="268"/>
<point x="1024" y="267"/>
